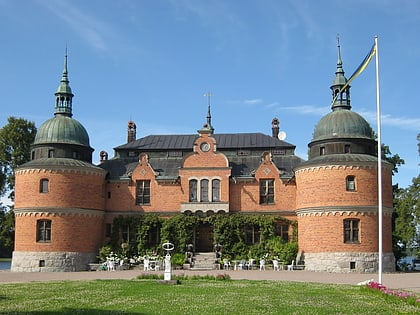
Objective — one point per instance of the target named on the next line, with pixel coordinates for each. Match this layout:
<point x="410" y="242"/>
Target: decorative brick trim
<point x="54" y="212"/>
<point x="60" y="171"/>
<point x="345" y="210"/>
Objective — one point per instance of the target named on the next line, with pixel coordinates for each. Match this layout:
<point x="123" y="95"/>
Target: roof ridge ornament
<point x="207" y="127"/>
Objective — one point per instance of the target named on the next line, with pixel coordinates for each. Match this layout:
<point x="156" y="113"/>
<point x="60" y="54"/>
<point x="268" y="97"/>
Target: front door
<point x="204" y="237"/>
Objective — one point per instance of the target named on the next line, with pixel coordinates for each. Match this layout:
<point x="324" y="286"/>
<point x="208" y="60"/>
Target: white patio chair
<point x="226" y="264"/>
<point x="262" y="264"/>
<point x="275" y="265"/>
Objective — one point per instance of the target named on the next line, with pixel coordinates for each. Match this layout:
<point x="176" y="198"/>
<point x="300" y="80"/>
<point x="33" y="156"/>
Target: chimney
<point x="275" y="127"/>
<point x="131" y="136"/>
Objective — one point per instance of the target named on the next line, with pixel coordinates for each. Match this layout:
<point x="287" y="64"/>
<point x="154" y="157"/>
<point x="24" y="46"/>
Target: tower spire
<point x="208" y="125"/>
<point x="64" y="95"/>
<point x="341" y="99"/>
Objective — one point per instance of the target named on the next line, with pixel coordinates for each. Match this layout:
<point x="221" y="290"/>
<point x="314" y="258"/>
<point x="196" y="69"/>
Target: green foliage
<point x="407" y="217"/>
<point x="7" y="229"/>
<point x="179" y="230"/>
<point x="16" y="138"/>
<point x="228" y="230"/>
<point x="104" y="252"/>
<point x="178" y="259"/>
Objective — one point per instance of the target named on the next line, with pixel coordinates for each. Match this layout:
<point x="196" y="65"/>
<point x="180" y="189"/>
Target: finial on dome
<point x="64" y="94"/>
<point x="339" y="61"/>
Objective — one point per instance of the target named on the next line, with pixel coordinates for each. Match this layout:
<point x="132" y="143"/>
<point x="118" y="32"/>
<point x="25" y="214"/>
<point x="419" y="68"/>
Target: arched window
<point x="350" y="183"/>
<point x="43" y="231"/>
<point x="193" y="190"/>
<point x="204" y="190"/>
<point x="215" y="190"/>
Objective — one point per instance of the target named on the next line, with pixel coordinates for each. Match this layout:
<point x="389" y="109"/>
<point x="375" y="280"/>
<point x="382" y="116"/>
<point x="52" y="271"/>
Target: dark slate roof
<point x="168" y="168"/>
<point x="60" y="163"/>
<point x="186" y="142"/>
<point x="340" y="158"/>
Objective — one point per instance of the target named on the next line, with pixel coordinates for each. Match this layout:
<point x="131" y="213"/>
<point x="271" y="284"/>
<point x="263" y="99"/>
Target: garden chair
<point x="242" y="265"/>
<point x="291" y="267"/>
<point x="250" y="264"/>
<point x="110" y="264"/>
<point x="275" y="265"/>
<point x="262" y="264"/>
<point x="226" y="264"/>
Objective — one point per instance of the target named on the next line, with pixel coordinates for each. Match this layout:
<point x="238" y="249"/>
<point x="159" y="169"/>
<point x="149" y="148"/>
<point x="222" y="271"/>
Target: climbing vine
<point x="229" y="231"/>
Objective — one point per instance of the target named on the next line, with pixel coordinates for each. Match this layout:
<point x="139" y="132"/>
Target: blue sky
<point x="152" y="61"/>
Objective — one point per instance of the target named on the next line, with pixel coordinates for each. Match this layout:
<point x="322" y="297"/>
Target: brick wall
<point x="73" y="233"/>
<point x="67" y="188"/>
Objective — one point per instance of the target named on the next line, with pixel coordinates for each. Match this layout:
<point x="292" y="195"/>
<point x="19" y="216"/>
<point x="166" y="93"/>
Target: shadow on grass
<point x="72" y="311"/>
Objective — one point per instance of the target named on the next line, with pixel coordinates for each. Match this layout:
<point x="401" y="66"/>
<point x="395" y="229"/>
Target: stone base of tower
<point x="51" y="261"/>
<point x="347" y="262"/>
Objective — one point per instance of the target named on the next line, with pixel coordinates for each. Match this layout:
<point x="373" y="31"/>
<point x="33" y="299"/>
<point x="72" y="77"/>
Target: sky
<point x="153" y="61"/>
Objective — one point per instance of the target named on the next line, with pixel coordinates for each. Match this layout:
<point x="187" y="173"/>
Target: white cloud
<point x="390" y="120"/>
<point x="92" y="30"/>
<point x="254" y="101"/>
<point x="302" y="109"/>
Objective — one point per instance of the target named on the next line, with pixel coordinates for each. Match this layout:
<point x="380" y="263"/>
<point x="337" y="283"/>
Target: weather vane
<point x="208" y="95"/>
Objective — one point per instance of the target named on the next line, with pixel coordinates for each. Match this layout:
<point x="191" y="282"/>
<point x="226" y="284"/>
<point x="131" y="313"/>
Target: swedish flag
<point x="362" y="66"/>
<point x="359" y="69"/>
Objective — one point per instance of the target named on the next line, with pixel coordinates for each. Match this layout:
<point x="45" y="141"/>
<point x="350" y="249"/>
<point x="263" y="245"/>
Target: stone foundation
<point x="51" y="261"/>
<point x="347" y="262"/>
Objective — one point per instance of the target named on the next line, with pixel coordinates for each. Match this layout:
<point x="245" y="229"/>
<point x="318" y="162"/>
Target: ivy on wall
<point x="228" y="231"/>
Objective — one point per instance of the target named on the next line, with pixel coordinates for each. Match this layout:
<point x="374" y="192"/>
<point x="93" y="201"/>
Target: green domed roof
<point x="62" y="129"/>
<point x="342" y="124"/>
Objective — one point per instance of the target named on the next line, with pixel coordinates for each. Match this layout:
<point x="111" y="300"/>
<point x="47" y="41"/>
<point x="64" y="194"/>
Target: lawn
<point x="195" y="296"/>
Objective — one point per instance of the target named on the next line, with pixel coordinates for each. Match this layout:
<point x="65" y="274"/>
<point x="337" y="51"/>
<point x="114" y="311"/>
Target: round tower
<point x="59" y="202"/>
<point x="337" y="192"/>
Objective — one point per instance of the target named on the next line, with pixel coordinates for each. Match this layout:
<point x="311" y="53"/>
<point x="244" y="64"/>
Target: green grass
<point x="195" y="296"/>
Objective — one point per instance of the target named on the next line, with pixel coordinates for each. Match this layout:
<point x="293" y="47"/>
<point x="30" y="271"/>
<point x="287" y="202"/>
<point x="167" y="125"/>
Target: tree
<point x="395" y="159"/>
<point x="407" y="222"/>
<point x="7" y="231"/>
<point x="16" y="138"/>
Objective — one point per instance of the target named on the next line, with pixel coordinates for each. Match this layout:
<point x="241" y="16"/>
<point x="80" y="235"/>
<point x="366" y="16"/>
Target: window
<point x="351" y="230"/>
<point x="128" y="234"/>
<point x="204" y="190"/>
<point x="193" y="190"/>
<point x="282" y="230"/>
<point x="43" y="185"/>
<point x="215" y="190"/>
<point x="350" y="183"/>
<point x="266" y="191"/>
<point x="347" y="148"/>
<point x="252" y="234"/>
<point x="153" y="238"/>
<point x="322" y="151"/>
<point x="143" y="192"/>
<point x="51" y="153"/>
<point x="43" y="228"/>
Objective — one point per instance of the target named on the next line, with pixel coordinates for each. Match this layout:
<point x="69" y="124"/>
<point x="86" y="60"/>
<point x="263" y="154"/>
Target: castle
<point x="65" y="205"/>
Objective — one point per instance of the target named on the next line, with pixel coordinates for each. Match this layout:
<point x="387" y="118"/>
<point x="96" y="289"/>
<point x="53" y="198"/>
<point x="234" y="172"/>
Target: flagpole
<point x="378" y="122"/>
